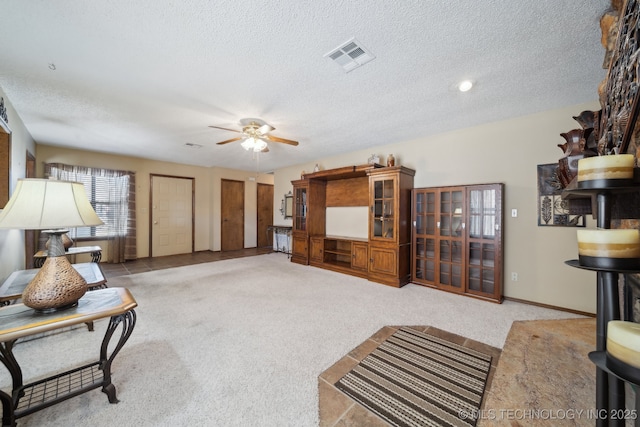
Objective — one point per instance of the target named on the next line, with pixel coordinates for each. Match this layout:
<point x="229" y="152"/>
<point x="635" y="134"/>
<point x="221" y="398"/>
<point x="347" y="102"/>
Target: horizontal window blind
<point x="107" y="192"/>
<point x="109" y="206"/>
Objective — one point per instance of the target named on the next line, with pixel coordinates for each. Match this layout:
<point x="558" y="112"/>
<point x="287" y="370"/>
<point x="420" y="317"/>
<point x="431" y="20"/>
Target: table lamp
<point x="51" y="206"/>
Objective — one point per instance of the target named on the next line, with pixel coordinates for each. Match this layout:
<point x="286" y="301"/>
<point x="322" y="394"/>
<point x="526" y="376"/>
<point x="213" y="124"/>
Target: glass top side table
<point x="19" y="321"/>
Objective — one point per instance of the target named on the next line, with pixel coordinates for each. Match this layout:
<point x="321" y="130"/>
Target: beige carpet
<point x="544" y="376"/>
<point x="241" y="342"/>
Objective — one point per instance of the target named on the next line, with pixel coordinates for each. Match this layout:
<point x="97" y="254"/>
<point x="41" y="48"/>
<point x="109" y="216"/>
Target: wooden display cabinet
<point x="389" y="232"/>
<point x="457" y="239"/>
<point x="308" y="217"/>
<point x="450" y="240"/>
<point x="484" y="241"/>
<point x="385" y="255"/>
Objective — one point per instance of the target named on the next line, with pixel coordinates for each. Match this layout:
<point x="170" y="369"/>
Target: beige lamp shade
<point x="42" y="204"/>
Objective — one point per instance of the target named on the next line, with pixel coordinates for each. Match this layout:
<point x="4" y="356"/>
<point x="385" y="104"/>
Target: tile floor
<point x="338" y="409"/>
<point x="142" y="265"/>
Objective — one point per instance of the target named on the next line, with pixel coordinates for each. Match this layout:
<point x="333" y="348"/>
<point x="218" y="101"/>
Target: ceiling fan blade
<point x="277" y="139"/>
<point x="232" y="130"/>
<point x="229" y="140"/>
<point x="265" y="150"/>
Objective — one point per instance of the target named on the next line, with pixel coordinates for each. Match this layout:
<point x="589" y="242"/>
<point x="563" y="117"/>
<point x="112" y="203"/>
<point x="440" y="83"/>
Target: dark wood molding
<point x="552" y="307"/>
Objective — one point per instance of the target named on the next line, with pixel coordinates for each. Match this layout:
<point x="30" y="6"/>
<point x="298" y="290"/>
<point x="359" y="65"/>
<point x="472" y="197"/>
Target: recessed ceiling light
<point x="465" y="85"/>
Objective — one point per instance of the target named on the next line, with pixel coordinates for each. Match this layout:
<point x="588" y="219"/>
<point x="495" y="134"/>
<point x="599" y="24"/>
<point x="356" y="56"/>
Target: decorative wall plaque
<point x="621" y="87"/>
<point x="552" y="209"/>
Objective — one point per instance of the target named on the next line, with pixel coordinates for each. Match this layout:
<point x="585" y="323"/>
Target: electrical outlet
<point x="514" y="277"/>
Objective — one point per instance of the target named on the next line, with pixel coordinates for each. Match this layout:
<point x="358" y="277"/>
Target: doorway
<point x="232" y="215"/>
<point x="171" y="215"/>
<point x="265" y="215"/>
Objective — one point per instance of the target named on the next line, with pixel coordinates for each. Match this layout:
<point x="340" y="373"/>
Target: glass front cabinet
<point x="389" y="231"/>
<point x="457" y="239"/>
<point x="308" y="217"/>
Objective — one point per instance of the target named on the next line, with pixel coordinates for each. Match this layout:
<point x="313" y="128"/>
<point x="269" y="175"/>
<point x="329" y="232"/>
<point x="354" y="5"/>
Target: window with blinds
<point x="109" y="204"/>
<point x="108" y="192"/>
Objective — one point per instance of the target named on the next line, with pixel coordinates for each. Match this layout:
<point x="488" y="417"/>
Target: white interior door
<point x="171" y="216"/>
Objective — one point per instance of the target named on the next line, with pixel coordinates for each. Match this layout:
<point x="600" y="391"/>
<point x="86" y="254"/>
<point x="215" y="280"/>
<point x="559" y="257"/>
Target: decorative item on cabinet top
<point x="391" y="161"/>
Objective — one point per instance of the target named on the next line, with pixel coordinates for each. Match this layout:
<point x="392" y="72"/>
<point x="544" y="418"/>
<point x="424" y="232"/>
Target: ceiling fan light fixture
<point x="465" y="85"/>
<point x="265" y="129"/>
<point x="254" y="144"/>
<point x="260" y="144"/>
<point x="254" y="135"/>
<point x="248" y="144"/>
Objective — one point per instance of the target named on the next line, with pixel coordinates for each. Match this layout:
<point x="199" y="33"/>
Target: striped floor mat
<point x="416" y="379"/>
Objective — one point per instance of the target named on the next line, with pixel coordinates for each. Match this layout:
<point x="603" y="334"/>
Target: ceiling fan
<point x="255" y="135"/>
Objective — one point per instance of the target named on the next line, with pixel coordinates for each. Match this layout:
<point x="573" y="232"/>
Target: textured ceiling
<point x="145" y="77"/>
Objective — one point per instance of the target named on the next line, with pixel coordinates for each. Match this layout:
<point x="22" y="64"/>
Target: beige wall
<point x="508" y="152"/>
<point x="12" y="241"/>
<point x="206" y="185"/>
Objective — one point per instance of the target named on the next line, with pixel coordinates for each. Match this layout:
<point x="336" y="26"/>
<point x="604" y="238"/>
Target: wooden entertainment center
<point x="384" y="256"/>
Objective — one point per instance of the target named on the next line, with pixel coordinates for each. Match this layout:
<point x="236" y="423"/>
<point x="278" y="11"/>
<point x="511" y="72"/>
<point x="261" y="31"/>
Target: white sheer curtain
<point x="482" y="213"/>
<point x="112" y="194"/>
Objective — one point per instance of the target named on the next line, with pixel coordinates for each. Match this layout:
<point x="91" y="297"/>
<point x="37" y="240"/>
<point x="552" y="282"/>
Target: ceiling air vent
<point x="350" y="55"/>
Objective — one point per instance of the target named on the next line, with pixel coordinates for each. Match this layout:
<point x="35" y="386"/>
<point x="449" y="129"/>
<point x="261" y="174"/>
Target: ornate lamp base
<point x="57" y="284"/>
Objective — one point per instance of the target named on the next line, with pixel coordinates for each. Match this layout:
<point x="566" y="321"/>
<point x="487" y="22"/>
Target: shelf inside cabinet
<point x="476" y="262"/>
<point x="338" y="252"/>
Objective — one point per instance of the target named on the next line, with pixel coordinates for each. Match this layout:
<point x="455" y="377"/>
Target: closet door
<point x="450" y="271"/>
<point x="484" y="240"/>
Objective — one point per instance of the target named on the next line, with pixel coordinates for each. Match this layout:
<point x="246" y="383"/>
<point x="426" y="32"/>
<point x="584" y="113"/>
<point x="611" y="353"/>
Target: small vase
<point x="391" y="161"/>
